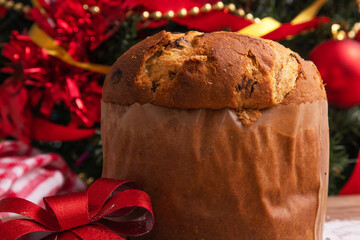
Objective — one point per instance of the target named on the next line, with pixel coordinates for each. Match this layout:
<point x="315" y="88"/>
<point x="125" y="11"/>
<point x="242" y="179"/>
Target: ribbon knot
<point x="81" y="215"/>
<point x="71" y="211"/>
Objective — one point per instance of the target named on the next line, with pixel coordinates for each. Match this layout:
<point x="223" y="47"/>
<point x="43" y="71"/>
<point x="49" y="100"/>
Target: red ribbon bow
<point x="81" y="215"/>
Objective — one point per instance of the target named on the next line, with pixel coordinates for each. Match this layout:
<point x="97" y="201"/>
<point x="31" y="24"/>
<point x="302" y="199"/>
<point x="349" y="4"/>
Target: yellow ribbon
<point x="268" y="24"/>
<point x="309" y="13"/>
<point x="40" y="38"/>
<point x="262" y="28"/>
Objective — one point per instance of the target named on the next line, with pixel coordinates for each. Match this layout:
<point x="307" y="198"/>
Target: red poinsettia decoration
<point x="37" y="83"/>
<point x="75" y="26"/>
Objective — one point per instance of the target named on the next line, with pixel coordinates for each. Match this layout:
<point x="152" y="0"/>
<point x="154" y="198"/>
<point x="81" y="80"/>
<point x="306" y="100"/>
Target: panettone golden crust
<point x="211" y="70"/>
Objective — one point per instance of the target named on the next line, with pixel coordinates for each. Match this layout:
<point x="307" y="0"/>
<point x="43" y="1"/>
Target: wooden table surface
<point x="343" y="208"/>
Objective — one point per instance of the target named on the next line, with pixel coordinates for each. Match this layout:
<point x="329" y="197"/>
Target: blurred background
<point x="55" y="54"/>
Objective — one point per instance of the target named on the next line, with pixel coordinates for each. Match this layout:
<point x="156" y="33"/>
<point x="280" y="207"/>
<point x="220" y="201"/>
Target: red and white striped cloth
<point x="27" y="173"/>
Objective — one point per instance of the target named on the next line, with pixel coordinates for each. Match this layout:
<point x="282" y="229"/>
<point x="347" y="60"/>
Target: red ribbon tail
<point x="28" y="209"/>
<point x="47" y="131"/>
<point x="17" y="228"/>
<point x="288" y="29"/>
<point x="96" y="231"/>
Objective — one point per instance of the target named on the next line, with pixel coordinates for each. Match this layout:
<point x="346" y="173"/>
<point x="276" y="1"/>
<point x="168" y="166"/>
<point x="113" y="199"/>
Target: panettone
<point x="212" y="71"/>
<point x="228" y="134"/>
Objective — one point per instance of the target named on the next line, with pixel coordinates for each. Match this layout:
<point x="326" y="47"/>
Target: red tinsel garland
<point x="40" y="81"/>
<point x="75" y="28"/>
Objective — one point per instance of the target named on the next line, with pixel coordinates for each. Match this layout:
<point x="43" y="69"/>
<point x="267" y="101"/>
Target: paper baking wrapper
<point x="211" y="178"/>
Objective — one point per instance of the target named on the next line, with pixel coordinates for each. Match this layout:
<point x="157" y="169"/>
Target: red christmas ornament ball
<point x="339" y="65"/>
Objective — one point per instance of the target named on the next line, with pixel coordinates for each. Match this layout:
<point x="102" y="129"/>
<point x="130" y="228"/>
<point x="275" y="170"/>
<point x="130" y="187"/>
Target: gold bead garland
<point x="339" y="34"/>
<point x="20" y="7"/>
<point x="354" y="30"/>
<point x="169" y="14"/>
<point x="194" y="11"/>
<point x="12" y="5"/>
<point x="94" y="9"/>
<point x="207" y="7"/>
<point x="9" y="4"/>
<point x="145" y="15"/>
<point x="86" y="7"/>
<point x="157" y="15"/>
<point x="182" y="13"/>
<point x="240" y="12"/>
<point x="249" y="16"/>
<point x="231" y="7"/>
<point x="218" y="6"/>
